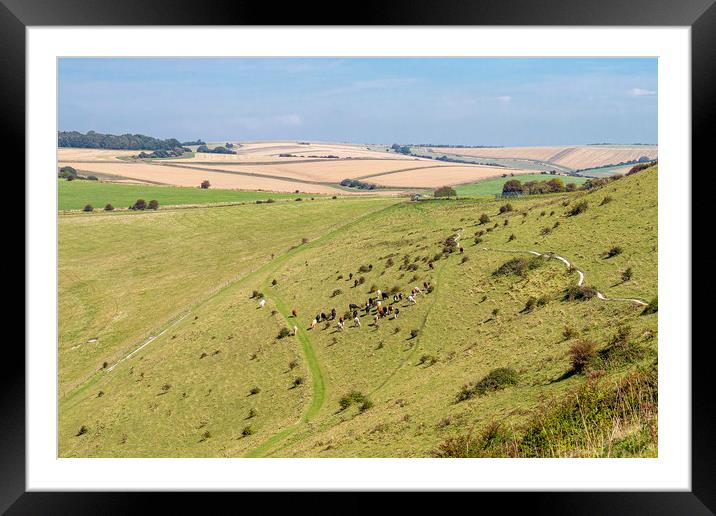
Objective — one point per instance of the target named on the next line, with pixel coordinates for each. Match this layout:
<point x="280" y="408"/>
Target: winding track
<point x="580" y="281"/>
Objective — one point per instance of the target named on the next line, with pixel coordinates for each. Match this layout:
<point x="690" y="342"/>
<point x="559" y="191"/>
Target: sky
<point x="466" y="101"/>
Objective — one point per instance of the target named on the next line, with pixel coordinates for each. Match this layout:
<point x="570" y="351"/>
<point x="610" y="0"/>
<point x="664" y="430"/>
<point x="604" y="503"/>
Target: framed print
<point x="423" y="252"/>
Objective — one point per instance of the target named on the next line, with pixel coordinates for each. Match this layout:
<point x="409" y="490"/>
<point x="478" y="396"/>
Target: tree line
<point x="94" y="140"/>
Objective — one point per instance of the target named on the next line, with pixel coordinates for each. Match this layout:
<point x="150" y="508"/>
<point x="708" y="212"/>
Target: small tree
<point x="140" y="204"/>
<point x="153" y="204"/>
<point x="108" y="207"/>
<point x="88" y="207"/>
<point x="484" y="218"/>
<point x="205" y="184"/>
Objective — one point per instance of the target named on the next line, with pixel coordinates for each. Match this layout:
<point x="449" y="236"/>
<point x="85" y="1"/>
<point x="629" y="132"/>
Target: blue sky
<point x="475" y="101"/>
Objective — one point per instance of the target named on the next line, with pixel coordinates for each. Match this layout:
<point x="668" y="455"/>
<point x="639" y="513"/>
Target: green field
<point x="75" y="195"/>
<point x="218" y="381"/>
<point x="494" y="186"/>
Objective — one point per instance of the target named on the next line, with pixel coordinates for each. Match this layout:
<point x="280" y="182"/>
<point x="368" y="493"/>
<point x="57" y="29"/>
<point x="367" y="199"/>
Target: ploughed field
<point x="220" y="378"/>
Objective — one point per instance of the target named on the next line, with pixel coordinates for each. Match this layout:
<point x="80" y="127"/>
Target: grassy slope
<point x="494" y="186"/>
<point x="123" y="275"/>
<point x="414" y="403"/>
<point x="74" y="195"/>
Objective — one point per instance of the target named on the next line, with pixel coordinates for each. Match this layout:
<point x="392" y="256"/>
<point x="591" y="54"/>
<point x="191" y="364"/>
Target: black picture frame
<point x="700" y="15"/>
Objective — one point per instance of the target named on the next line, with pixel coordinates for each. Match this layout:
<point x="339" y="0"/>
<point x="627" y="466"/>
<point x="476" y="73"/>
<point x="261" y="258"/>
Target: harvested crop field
<point x="271" y="151"/>
<point x="73" y="154"/>
<point x="181" y="176"/>
<point x="434" y="177"/>
<point x="574" y="157"/>
<point x="330" y="171"/>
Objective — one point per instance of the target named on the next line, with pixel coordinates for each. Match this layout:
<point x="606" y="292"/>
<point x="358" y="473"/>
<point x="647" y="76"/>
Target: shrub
<point x="81" y="431"/>
<point x="545" y="231"/>
<point x="465" y="259"/>
<point x="299" y="380"/>
<point x="484" y="218"/>
<point x="627" y="274"/>
<point x="495" y="312"/>
<point x="518" y="266"/>
<point x="606" y="200"/>
<point x="445" y="191"/>
<point x="512" y="237"/>
<point x="108" y="207"/>
<point x="252" y="413"/>
<point x="153" y="204"/>
<point x="389" y="262"/>
<point x="428" y="359"/>
<point x="88" y="207"/>
<point x="363" y="268"/>
<point x="254" y="390"/>
<point x="366" y="405"/>
<point x="495" y="380"/>
<point x="256" y="294"/>
<point x="621" y="336"/>
<point x="569" y="332"/>
<point x="414" y="333"/>
<point x="205" y="184"/>
<point x="578" y="208"/>
<point x="293" y="364"/>
<point x="247" y="431"/>
<point x="614" y="251"/>
<point x="284" y="332"/>
<point x="652" y="307"/>
<point x="581" y="353"/>
<point x="351" y="398"/>
<point x="530" y="304"/>
<point x="139" y="205"/>
<point x="505" y="208"/>
<point x="478" y="240"/>
<point x="337" y="292"/>
<point x="580" y="293"/>
<point x="274" y="282"/>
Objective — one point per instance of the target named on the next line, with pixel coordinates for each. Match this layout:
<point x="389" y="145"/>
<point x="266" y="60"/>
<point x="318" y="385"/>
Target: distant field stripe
<point x="74" y="195"/>
<point x="401" y="170"/>
<point x="252" y="174"/>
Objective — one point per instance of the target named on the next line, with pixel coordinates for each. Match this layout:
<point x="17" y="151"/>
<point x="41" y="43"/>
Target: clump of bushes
<point x="428" y="360"/>
<point x="355" y="397"/>
<point x="495" y="380"/>
<point x="283" y="332"/>
<point x="505" y="208"/>
<point x="518" y="266"/>
<point x="580" y="293"/>
<point x="578" y="208"/>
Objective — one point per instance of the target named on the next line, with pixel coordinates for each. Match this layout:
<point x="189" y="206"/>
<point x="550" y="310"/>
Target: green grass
<point x="494" y="186"/>
<point x="125" y="276"/>
<point x="74" y="195"/>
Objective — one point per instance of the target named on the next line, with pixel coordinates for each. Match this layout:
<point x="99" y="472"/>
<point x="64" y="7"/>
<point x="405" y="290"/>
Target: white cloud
<point x="638" y="92"/>
<point x="504" y="99"/>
